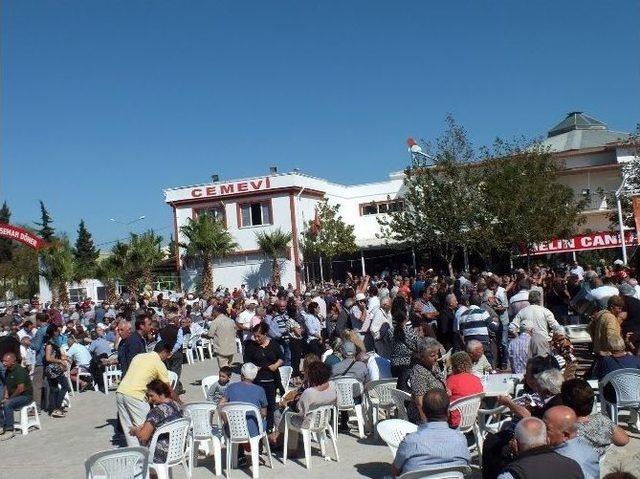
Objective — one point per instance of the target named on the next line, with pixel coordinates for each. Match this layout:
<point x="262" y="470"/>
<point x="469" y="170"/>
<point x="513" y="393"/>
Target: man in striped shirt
<point x="475" y="324"/>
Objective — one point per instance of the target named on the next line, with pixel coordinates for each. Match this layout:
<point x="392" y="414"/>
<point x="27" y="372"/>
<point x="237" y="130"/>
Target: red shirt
<point x="462" y="385"/>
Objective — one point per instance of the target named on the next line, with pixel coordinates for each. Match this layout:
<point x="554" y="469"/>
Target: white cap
<point x="251" y="301"/>
<point x="618" y="261"/>
<point x="360" y="297"/>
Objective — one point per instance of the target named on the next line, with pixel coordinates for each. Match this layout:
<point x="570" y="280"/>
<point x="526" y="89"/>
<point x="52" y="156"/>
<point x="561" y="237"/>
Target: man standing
<point x="535" y="459"/>
<point x="244" y="318"/>
<point x="434" y="444"/>
<point x="18" y="393"/>
<point x="130" y="396"/>
<point x="173" y="336"/>
<point x="222" y="333"/>
<point x="561" y="422"/>
<point x="538" y="316"/>
<point x="475" y="324"/>
<point x="381" y="325"/>
<point x="38" y="345"/>
<point x="446" y="321"/>
<point x="605" y="326"/>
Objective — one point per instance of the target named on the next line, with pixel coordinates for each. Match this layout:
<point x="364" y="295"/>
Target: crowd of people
<point x="437" y="336"/>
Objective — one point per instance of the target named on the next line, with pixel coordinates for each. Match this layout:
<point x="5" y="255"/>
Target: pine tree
<point x="46" y="231"/>
<point x="6" y="246"/>
<point x="85" y="253"/>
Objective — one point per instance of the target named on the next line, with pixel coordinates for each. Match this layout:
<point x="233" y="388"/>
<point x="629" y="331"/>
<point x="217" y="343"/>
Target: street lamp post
<point x="620" y="219"/>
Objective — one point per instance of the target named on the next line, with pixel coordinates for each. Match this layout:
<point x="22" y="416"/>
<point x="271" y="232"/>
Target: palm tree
<point x="58" y="268"/>
<point x="108" y="272"/>
<point x="135" y="261"/>
<point x="208" y="240"/>
<point x="275" y="245"/>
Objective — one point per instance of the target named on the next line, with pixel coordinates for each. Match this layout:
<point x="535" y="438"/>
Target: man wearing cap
<point x="243" y="321"/>
<point x="100" y="346"/>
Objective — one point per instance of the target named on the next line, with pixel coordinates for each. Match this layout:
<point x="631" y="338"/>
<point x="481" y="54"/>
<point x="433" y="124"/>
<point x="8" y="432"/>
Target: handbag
<point x="53" y="370"/>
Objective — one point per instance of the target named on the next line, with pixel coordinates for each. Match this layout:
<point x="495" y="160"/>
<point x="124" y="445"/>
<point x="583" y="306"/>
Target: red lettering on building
<point x="226" y="189"/>
<point x="231" y="188"/>
<point x="211" y="190"/>
<point x="196" y="192"/>
<point x="243" y="187"/>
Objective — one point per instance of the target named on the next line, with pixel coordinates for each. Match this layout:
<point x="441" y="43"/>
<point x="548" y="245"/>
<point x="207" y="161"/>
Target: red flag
<point x="316" y="226"/>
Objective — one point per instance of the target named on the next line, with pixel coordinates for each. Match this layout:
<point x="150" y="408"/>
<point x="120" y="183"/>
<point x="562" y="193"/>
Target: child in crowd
<point x="216" y="390"/>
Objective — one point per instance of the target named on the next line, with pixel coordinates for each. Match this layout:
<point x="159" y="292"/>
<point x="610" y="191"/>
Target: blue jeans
<point x="56" y="394"/>
<point x="2" y="380"/>
<point x="10" y="405"/>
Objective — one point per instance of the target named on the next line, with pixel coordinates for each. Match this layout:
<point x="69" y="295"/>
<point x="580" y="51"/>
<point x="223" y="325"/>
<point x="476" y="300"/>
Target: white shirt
<point x="373" y="305"/>
<point x="378" y="367"/>
<point x="79" y="354"/>
<point x="456" y="324"/>
<point x="22" y="333"/>
<point x="379" y="318"/>
<point x="322" y="307"/>
<point x="244" y="321"/>
<point x="538" y="316"/>
<point x="578" y="271"/>
<point x="601" y="293"/>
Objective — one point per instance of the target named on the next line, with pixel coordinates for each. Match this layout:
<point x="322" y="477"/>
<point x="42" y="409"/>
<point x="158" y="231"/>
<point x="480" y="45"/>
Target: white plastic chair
<point x="316" y="423"/>
<point x="122" y="463"/>
<point x="285" y="377"/>
<point x="179" y="450"/>
<point x="346" y="390"/>
<point x="237" y="432"/>
<point x="173" y="379"/>
<point x="203" y="344"/>
<point x="399" y="398"/>
<point x="28" y="418"/>
<point x="202" y="415"/>
<point x="468" y="408"/>
<point x="626" y="384"/>
<point x="440" y="472"/>
<point x="111" y="377"/>
<point x="393" y="431"/>
<point x="82" y="372"/>
<point x="188" y="352"/>
<point x="207" y="381"/>
<point x="378" y="394"/>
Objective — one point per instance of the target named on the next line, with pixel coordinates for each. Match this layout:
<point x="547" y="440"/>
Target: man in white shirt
<point x="322" y="306"/>
<point x="538" y="316"/>
<point x="600" y="293"/>
<point x="377" y="366"/>
<point x="577" y="270"/>
<point x="79" y="355"/>
<point x="244" y="318"/>
<point x="380" y="323"/>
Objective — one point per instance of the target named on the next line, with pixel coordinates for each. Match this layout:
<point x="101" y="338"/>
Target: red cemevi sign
<point x="585" y="242"/>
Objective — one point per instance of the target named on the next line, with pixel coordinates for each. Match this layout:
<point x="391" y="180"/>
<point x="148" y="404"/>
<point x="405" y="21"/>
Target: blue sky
<point x="105" y="103"/>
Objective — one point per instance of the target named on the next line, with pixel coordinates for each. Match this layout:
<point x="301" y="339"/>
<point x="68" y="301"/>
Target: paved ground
<point x="60" y="448"/>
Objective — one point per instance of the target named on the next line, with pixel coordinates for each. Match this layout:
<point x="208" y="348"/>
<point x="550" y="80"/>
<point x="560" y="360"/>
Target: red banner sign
<point x="586" y="242"/>
<point x="231" y="188"/>
<point x="16" y="233"/>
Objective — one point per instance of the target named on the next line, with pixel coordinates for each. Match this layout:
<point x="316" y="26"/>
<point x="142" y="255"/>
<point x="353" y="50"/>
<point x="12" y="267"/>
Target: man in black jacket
<point x="535" y="459"/>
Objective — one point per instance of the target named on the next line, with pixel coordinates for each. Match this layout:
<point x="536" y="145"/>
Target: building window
<point x="216" y="211"/>
<point x="77" y="295"/>
<point x="255" y="214"/>
<point x="382" y="207"/>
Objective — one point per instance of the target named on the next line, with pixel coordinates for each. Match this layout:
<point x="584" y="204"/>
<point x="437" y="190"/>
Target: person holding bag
<point x="54" y="372"/>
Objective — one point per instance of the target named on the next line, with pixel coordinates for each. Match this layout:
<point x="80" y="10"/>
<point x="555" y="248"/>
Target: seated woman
<point x="319" y="392"/>
<point x="595" y="428"/>
<point x="163" y="410"/>
<point x="461" y="383"/>
<point x="424" y="375"/>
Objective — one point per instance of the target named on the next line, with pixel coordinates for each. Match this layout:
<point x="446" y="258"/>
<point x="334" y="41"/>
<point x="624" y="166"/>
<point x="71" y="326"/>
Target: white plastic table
<point x="500" y="384"/>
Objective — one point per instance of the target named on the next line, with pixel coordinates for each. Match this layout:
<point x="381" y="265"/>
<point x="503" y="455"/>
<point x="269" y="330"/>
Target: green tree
<point x="207" y="240"/>
<point x="46" y="231"/>
<point x="526" y="202"/>
<point x="328" y="235"/>
<point x="136" y="260"/>
<point x="275" y="245"/>
<point x="108" y="271"/>
<point x="6" y="246"/>
<point x="443" y="199"/>
<point x="85" y="253"/>
<point x="59" y="268"/>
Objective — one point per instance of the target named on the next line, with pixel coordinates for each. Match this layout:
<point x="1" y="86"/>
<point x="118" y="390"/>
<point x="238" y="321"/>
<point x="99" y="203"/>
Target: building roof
<point x="578" y="131"/>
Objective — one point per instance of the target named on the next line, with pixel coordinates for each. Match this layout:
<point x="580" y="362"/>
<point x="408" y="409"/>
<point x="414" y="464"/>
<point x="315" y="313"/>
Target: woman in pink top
<point x="461" y="383"/>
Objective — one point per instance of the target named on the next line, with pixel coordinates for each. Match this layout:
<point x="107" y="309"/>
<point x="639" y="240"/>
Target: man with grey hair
<point x="535" y="459"/>
<point x="540" y="317"/>
<point x="480" y="363"/>
<point x="381" y="326"/>
<point x="245" y="391"/>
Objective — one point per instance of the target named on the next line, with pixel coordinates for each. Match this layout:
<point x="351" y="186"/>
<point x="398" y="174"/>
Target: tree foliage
<point x="135" y="260"/>
<point x="329" y="235"/>
<point x="526" y="202"/>
<point x="85" y="253"/>
<point x="6" y="245"/>
<point x="45" y="231"/>
<point x="443" y="199"/>
<point x="59" y="268"/>
<point x="275" y="245"/>
<point x="208" y="240"/>
<point x="108" y="271"/>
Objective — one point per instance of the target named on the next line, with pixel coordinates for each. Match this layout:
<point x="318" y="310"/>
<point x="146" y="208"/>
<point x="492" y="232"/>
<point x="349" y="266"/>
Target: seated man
<point x="480" y="363"/>
<point x="80" y="357"/>
<point x="535" y="458"/>
<point x="350" y="366"/>
<point x="18" y="392"/>
<point x="434" y="444"/>
<point x="562" y="431"/>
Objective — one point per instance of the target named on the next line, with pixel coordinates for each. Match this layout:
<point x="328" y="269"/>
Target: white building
<point x="592" y="157"/>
